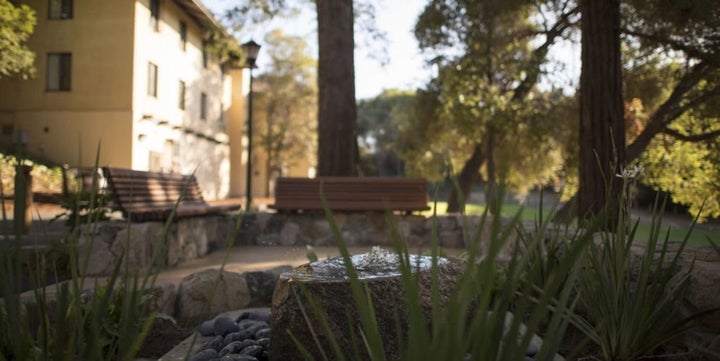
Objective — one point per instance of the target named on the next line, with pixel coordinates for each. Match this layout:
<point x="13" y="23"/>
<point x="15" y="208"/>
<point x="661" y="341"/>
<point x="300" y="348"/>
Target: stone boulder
<point x="98" y="240"/>
<point x="262" y="285"/>
<point x="162" y="298"/>
<point x="210" y="292"/>
<point x="326" y="283"/>
<point x="107" y="242"/>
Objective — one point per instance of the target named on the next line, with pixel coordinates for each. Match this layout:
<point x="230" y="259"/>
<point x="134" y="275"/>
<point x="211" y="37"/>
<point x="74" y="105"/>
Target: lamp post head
<point x="251" y="49"/>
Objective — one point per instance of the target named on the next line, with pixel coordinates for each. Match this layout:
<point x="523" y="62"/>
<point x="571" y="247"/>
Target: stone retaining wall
<point x="191" y="238"/>
<point x="195" y="237"/>
<point x="185" y="239"/>
<point x="357" y="229"/>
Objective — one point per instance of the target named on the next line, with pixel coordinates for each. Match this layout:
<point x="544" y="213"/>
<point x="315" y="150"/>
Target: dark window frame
<point x="152" y="78"/>
<point x="205" y="54"/>
<point x="65" y="11"/>
<point x="155" y="14"/>
<point x="182" y="90"/>
<point x="183" y="35"/>
<point x="64" y="73"/>
<point x="221" y="117"/>
<point x="203" y="106"/>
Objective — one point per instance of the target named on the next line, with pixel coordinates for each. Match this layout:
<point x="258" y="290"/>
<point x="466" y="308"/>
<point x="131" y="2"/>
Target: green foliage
<point x="674" y="76"/>
<point x="686" y="168"/>
<point x="84" y="207"/>
<point x="473" y="321"/>
<point x="632" y="303"/>
<point x="46" y="178"/>
<point x="689" y="171"/>
<point x="17" y="22"/>
<point x="285" y="104"/>
<point x="379" y="121"/>
<point x="629" y="304"/>
<point x="69" y="325"/>
<point x="251" y="13"/>
<point x="685" y="26"/>
<point x="649" y="78"/>
<point x="109" y="303"/>
<point x="224" y="48"/>
<point x="671" y="70"/>
<point x="487" y="69"/>
<point x="698" y="162"/>
<point x="417" y="136"/>
<point x="63" y="321"/>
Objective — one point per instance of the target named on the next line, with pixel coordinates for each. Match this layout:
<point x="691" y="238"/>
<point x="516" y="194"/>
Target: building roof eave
<point x="200" y="14"/>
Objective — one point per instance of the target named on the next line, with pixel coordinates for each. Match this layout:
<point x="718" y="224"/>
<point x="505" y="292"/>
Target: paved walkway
<point x="250" y="258"/>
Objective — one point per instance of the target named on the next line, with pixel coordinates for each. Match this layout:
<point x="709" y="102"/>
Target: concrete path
<point x="250" y="258"/>
<point x="258" y="258"/>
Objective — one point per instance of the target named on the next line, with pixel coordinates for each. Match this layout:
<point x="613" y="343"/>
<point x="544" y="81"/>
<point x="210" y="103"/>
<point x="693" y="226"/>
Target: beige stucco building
<point x="134" y="77"/>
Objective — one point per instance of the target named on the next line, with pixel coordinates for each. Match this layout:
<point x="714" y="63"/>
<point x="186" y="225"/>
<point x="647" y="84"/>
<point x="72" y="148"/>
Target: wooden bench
<point x="351" y="194"/>
<point x="149" y="196"/>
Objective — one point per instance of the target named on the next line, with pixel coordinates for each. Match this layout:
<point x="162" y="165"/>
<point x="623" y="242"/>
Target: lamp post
<point x="251" y="49"/>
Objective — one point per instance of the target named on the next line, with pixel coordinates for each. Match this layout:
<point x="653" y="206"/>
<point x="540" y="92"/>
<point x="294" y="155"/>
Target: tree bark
<point x="676" y="105"/>
<point x="491" y="192"/>
<point x="337" y="124"/>
<point x="465" y="180"/>
<point x="602" y="132"/>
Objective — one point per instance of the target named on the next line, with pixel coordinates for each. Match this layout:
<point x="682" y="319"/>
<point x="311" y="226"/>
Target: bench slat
<point x="351" y="194"/>
<point x="152" y="196"/>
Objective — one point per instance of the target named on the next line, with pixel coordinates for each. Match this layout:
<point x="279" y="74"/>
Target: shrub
<point x="474" y="324"/>
<point x="65" y="322"/>
<point x="629" y="311"/>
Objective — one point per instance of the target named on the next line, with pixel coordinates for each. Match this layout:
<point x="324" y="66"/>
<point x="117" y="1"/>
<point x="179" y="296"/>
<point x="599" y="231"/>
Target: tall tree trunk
<point x="268" y="174"/>
<point x="602" y="131"/>
<point x="337" y="124"/>
<point x="467" y="178"/>
<point x="491" y="193"/>
<point x="676" y="105"/>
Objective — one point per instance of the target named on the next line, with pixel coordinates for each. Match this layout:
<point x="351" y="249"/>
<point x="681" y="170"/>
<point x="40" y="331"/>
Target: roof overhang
<point x="200" y="14"/>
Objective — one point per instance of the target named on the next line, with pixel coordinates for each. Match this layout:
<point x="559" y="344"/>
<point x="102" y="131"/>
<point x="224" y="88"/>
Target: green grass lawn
<point x="698" y="237"/>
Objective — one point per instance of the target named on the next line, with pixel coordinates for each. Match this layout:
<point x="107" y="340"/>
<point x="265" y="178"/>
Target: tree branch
<point x="539" y="54"/>
<point x="676" y="45"/>
<point x="694" y="137"/>
<point x="672" y="108"/>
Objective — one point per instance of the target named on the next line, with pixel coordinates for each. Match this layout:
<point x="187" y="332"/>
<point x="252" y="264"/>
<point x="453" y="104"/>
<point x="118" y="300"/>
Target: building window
<point x="155" y="14"/>
<point x="60" y="9"/>
<point x="203" y="106"/>
<point x="181" y="95"/>
<point x="59" y="71"/>
<point x="152" y="79"/>
<point x="221" y="118"/>
<point x="183" y="35"/>
<point x="205" y="54"/>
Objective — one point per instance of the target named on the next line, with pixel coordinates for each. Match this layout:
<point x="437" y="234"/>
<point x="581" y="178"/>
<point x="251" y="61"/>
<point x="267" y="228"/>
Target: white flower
<point x="631" y="173"/>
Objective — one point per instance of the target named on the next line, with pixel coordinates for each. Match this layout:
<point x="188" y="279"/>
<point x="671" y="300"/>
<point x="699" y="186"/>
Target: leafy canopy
<point x="488" y="63"/>
<point x="17" y="23"/>
<point x="285" y="99"/>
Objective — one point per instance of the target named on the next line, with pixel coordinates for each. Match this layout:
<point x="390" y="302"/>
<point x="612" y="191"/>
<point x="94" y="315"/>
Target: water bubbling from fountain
<point x="378" y="263"/>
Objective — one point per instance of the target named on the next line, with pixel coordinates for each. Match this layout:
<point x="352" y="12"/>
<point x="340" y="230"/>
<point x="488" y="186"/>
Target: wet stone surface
<point x="378" y="263"/>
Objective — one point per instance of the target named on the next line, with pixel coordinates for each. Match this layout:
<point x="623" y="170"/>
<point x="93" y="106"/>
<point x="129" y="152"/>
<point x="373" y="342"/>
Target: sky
<point x="406" y="68"/>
